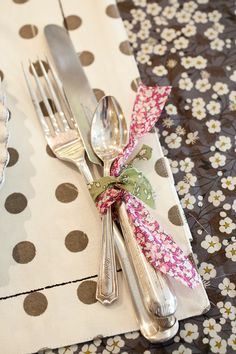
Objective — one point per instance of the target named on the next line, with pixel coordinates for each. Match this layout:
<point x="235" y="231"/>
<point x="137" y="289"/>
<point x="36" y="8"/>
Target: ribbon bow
<point x="159" y="248"/>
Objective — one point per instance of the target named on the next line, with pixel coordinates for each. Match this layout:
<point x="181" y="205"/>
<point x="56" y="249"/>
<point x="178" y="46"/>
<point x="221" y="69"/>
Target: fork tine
<point x="54" y="97"/>
<point x="36" y="104"/>
<point x="62" y="94"/>
<point x="45" y="100"/>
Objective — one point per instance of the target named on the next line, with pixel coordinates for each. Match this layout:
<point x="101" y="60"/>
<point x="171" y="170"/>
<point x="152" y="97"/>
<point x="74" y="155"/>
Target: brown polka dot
<point x="28" y="31"/>
<point x="160" y="167"/>
<point x="15" y="203"/>
<point x="38" y="68"/>
<point x="1" y="75"/>
<point x="44" y="109"/>
<point x="72" y="22"/>
<point x="76" y="241"/>
<point x="86" y="58"/>
<point x="66" y="192"/>
<point x="134" y="84"/>
<point x="20" y="1"/>
<point x="112" y="11"/>
<point x="24" y="252"/>
<point x="50" y="152"/>
<point x="13" y="157"/>
<point x="98" y="93"/>
<point x="86" y="292"/>
<point x="175" y="216"/>
<point x="126" y="48"/>
<point x="35" y="304"/>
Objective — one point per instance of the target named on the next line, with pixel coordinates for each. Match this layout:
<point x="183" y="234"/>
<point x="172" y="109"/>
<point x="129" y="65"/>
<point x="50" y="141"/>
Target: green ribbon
<point x="130" y="179"/>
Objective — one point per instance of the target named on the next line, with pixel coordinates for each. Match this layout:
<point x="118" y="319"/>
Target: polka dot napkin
<point x="50" y="229"/>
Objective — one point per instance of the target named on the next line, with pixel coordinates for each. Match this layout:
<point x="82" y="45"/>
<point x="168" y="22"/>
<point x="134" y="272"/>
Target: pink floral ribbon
<point x="158" y="247"/>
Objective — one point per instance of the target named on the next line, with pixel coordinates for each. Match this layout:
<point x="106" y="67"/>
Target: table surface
<point x="190" y="45"/>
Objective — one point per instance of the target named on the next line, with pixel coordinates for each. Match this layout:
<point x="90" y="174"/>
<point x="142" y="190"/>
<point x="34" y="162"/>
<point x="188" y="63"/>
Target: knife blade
<point x="157" y="295"/>
<point x="75" y="83"/>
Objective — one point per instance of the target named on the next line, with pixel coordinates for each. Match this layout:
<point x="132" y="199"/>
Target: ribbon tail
<point x="159" y="248"/>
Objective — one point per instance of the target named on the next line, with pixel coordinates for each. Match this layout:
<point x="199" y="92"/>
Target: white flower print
<point x="232" y="341"/>
<point x="207" y="271"/>
<point x="217" y="160"/>
<point x="186" y="165"/>
<point x="132" y="335"/>
<point x="168" y="34"/>
<point x="232" y="96"/>
<point x="114" y="344"/>
<point x="216" y="197"/>
<point x="190" y="6"/>
<point x="214" y="16"/>
<point x="187" y="62"/>
<point x="230" y="251"/>
<point x="181" y="43"/>
<point x="217" y="44"/>
<point x="185" y="84"/>
<point x="142" y="57"/>
<point x="199" y="113"/>
<point x="198" y="102"/>
<point x="211" y="244"/>
<point x="182" y="187"/>
<point x="160" y="49"/>
<point x="227" y="310"/>
<point x="200" y="62"/>
<point x="202" y="85"/>
<point x="69" y="350"/>
<point x="192" y="138"/>
<point x="88" y="349"/>
<point x="170" y="109"/>
<point x="174" y="166"/>
<point x="159" y="70"/>
<point x="183" y="16"/>
<point x="189" y="333"/>
<point x="200" y="17"/>
<point x="213" y="107"/>
<point x="169" y="12"/>
<point x="138" y="14"/>
<point x="190" y="179"/>
<point x="167" y="123"/>
<point x="224" y="143"/>
<point x="220" y="88"/>
<point x="153" y="9"/>
<point x="218" y="345"/>
<point x="173" y="141"/>
<point x="211" y="327"/>
<point x="141" y="3"/>
<point x="227" y="225"/>
<point x="210" y="33"/>
<point x="233" y="76"/>
<point x="227" y="288"/>
<point x="188" y="201"/>
<point x="234" y="205"/>
<point x="214" y="126"/>
<point x="189" y="30"/>
<point x="228" y="183"/>
<point x="146" y="48"/>
<point x="182" y="350"/>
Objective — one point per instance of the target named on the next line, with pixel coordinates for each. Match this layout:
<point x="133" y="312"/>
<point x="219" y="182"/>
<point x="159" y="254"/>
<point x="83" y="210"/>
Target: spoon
<point x="109" y="135"/>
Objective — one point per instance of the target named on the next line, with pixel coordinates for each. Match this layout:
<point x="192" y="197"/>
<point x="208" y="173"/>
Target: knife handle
<point x="107" y="283"/>
<point x="158" y="296"/>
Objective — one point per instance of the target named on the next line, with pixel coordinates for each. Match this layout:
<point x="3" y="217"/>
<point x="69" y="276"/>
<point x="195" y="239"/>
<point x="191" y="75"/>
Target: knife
<point x="75" y="84"/>
<point x="157" y="294"/>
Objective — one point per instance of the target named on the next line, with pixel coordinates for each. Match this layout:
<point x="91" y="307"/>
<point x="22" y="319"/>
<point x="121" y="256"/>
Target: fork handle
<point x="107" y="284"/>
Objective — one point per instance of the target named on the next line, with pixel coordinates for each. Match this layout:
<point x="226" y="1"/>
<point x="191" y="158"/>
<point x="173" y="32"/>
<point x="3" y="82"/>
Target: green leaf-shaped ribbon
<point x="130" y="179"/>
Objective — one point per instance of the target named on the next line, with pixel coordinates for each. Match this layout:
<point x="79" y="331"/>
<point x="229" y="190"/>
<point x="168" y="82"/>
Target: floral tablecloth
<point x="191" y="46"/>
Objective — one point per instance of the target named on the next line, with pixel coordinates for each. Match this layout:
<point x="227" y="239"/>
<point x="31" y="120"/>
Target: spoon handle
<point x="159" y="298"/>
<point x="107" y="283"/>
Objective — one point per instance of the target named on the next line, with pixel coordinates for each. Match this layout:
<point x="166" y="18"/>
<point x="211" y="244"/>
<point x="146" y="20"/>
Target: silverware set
<point x="81" y="126"/>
